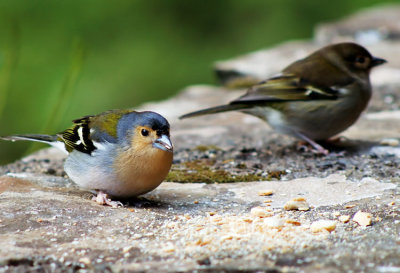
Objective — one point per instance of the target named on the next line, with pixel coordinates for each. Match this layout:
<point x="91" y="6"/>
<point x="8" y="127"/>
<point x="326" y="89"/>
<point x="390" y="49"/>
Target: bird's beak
<point x="377" y="61"/>
<point x="163" y="143"/>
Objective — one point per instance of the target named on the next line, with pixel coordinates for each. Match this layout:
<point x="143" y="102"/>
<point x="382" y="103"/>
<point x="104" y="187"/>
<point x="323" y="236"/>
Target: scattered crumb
<point x="169" y="248"/>
<point x="126" y="249"/>
<point x="298" y="203"/>
<point x="274" y="222"/>
<point x="363" y="218"/>
<point x="349" y="206"/>
<point x="293" y="222"/>
<point x="85" y="260"/>
<point x="203" y="241"/>
<point x="336" y="214"/>
<point x="344" y="218"/>
<point x="323" y="225"/>
<point x="266" y="193"/>
<point x="261" y="212"/>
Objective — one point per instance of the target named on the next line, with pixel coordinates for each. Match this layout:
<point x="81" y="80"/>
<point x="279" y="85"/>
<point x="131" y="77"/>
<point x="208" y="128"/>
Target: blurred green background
<point x="60" y="60"/>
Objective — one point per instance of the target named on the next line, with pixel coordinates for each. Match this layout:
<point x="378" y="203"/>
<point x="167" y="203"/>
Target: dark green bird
<point x="314" y="98"/>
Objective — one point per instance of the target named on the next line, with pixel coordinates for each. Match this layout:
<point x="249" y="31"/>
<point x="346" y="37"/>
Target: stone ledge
<point x="48" y="223"/>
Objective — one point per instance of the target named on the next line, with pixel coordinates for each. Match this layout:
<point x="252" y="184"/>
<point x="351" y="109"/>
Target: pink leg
<point x="318" y="149"/>
<point x="102" y="198"/>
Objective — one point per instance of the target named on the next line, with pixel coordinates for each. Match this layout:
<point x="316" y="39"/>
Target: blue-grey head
<point x="142" y="130"/>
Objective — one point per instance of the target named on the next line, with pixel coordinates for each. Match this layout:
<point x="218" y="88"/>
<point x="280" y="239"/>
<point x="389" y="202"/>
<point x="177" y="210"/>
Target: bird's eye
<point x="360" y="59"/>
<point x="145" y="132"/>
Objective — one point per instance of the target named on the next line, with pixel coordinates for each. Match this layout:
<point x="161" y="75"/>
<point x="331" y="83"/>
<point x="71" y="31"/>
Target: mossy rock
<point x="202" y="171"/>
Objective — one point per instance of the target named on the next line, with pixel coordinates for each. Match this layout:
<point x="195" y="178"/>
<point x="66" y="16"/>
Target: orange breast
<point x="141" y="171"/>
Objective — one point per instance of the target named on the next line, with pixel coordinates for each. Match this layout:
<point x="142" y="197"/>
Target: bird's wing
<point x="285" y="88"/>
<point x="77" y="137"/>
<point x="281" y="88"/>
<point x="92" y="132"/>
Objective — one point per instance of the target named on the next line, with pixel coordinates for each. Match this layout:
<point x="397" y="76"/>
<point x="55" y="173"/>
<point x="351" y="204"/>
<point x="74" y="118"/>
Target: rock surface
<point x="46" y="223"/>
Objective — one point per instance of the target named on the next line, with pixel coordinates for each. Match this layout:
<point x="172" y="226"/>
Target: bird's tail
<point x="32" y="137"/>
<point x="52" y="140"/>
<point x="216" y="109"/>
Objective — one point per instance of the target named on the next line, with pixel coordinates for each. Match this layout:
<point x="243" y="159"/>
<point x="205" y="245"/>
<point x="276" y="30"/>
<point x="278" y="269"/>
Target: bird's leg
<point x="102" y="198"/>
<point x="318" y="149"/>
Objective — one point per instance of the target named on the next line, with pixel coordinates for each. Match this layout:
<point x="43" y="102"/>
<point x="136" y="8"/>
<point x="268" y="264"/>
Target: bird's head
<point x="145" y="131"/>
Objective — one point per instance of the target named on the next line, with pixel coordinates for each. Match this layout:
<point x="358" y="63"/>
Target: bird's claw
<point x="319" y="150"/>
<point x="102" y="198"/>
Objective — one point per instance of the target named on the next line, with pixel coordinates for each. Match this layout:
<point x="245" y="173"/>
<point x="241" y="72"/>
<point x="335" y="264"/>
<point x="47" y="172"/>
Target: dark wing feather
<point x="278" y="89"/>
<point x="285" y="88"/>
<point x="77" y="137"/>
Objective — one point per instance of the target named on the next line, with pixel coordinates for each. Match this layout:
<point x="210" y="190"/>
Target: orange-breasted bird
<point x="118" y="153"/>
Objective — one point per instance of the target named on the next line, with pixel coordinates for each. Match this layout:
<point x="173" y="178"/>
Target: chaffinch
<point x="313" y="98"/>
<point x="118" y="153"/>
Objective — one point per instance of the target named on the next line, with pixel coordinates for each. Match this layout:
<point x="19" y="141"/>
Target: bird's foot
<point x="316" y="148"/>
<point x="103" y="198"/>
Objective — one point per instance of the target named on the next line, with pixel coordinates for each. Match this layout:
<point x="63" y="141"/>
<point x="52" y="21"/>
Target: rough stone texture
<point x="47" y="224"/>
<point x="367" y="27"/>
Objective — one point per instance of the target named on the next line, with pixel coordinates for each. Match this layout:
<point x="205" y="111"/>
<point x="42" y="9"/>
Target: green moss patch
<point x="205" y="148"/>
<point x="204" y="171"/>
